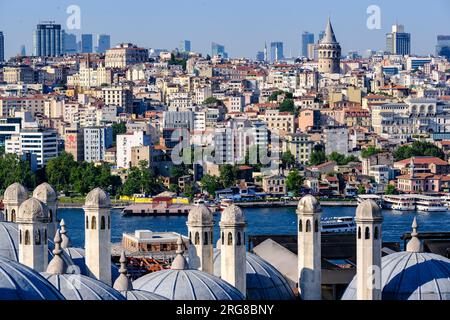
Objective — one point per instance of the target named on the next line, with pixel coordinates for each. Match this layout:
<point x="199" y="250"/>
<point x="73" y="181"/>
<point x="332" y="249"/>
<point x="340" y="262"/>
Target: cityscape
<point x="130" y="172"/>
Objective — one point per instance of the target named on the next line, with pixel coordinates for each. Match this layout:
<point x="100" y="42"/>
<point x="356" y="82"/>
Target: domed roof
<point x="264" y="282"/>
<point x="97" y="198"/>
<point x="232" y="215"/>
<point x="9" y="241"/>
<point x="411" y="276"/>
<point x="308" y="204"/>
<point x="187" y="285"/>
<point x="200" y="215"/>
<point x="18" y="282"/>
<point x="33" y="210"/>
<point x="45" y="193"/>
<point x="368" y="210"/>
<point x="141" y="295"/>
<point x="15" y="193"/>
<point x="80" y="287"/>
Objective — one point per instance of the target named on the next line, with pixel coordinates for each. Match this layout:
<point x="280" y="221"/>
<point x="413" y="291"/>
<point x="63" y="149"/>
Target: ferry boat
<point x="446" y="200"/>
<point x="429" y="204"/>
<point x="378" y="199"/>
<point x="401" y="202"/>
<point x="224" y="203"/>
<point x="338" y="224"/>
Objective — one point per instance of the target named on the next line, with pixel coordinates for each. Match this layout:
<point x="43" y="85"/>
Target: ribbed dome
<point x="232" y="214"/>
<point x="141" y="295"/>
<point x="368" y="210"/>
<point x="264" y="282"/>
<point x="15" y="193"/>
<point x="97" y="198"/>
<point x="33" y="210"/>
<point x="79" y="287"/>
<point x="9" y="241"/>
<point x="308" y="204"/>
<point x="187" y="285"/>
<point x="45" y="193"/>
<point x="411" y="276"/>
<point x="18" y="282"/>
<point x="200" y="215"/>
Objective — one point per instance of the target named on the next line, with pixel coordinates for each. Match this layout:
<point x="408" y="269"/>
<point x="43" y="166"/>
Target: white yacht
<point x="429" y="204"/>
<point x="338" y="224"/>
<point x="401" y="202"/>
<point x="378" y="199"/>
<point x="446" y="200"/>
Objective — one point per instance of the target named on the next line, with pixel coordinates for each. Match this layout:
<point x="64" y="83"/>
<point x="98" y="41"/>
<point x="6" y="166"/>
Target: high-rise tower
<point x="329" y="52"/>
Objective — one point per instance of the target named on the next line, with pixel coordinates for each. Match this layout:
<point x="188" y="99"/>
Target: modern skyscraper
<point x="86" y="43"/>
<point x="307" y="38"/>
<point x="23" y="51"/>
<point x="70" y="43"/>
<point x="48" y="40"/>
<point x="276" y="51"/>
<point x="442" y="47"/>
<point x="2" y="47"/>
<point x="218" y="50"/>
<point x="329" y="52"/>
<point x="185" y="46"/>
<point x="260" y="56"/>
<point x="398" y="41"/>
<point x="103" y="43"/>
<point x="321" y="35"/>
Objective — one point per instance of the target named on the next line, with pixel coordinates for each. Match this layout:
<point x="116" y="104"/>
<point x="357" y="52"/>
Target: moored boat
<point x="401" y="202"/>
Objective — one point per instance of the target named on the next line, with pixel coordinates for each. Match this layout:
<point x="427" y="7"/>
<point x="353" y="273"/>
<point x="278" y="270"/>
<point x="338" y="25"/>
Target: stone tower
<point x="13" y="197"/>
<point x="32" y="220"/>
<point x="98" y="235"/>
<point x="368" y="251"/>
<point x="45" y="193"/>
<point x="200" y="228"/>
<point x="329" y="52"/>
<point x="309" y="248"/>
<point x="233" y="256"/>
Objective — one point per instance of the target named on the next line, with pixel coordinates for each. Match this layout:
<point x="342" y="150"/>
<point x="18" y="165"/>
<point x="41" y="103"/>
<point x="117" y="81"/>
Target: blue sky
<point x="241" y="25"/>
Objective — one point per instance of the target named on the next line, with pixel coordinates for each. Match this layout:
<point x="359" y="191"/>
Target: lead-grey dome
<point x="368" y="210"/>
<point x="33" y="210"/>
<point x="308" y="204"/>
<point x="97" y="198"/>
<point x="80" y="287"/>
<point x="15" y="193"/>
<point x="187" y="285"/>
<point x="141" y="295"/>
<point x="232" y="215"/>
<point x="411" y="276"/>
<point x="264" y="282"/>
<point x="19" y="282"/>
<point x="200" y="215"/>
<point x="45" y="193"/>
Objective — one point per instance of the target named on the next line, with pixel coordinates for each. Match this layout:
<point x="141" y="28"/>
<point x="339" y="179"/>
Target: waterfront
<point x="260" y="221"/>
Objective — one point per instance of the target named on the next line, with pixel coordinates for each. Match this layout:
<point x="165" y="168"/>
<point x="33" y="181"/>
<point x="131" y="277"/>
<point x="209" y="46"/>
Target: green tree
<point x="118" y="128"/>
<point x="228" y="175"/>
<point x="212" y="100"/>
<point x="13" y="169"/>
<point x="390" y="189"/>
<point x="287" y="106"/>
<point x="418" y="148"/>
<point x="317" y="157"/>
<point x="361" y="189"/>
<point x="287" y="159"/>
<point x="57" y="170"/>
<point x="294" y="182"/>
<point x="211" y="184"/>
<point x="337" y="157"/>
<point x="366" y="153"/>
<point x="179" y="171"/>
<point x="189" y="191"/>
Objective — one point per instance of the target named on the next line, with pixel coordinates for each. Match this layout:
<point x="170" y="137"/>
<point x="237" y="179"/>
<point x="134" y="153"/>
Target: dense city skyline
<point x="242" y="31"/>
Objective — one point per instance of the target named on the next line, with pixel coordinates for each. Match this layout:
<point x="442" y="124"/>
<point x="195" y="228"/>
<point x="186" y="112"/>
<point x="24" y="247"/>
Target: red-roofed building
<point x="423" y="164"/>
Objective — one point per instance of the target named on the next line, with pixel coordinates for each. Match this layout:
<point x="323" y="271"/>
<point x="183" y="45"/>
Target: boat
<point x="225" y="203"/>
<point x="446" y="200"/>
<point x="378" y="199"/>
<point x="429" y="204"/>
<point x="401" y="202"/>
<point x="338" y="224"/>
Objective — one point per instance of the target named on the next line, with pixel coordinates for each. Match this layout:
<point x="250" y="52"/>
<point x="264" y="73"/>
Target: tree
<point x="390" y="189"/>
<point x="287" y="106"/>
<point x="361" y="189"/>
<point x="118" y="128"/>
<point x="211" y="184"/>
<point x="287" y="159"/>
<point x="317" y="157"/>
<point x="57" y="170"/>
<point x="418" y="148"/>
<point x="294" y="182"/>
<point x="13" y="169"/>
<point x="366" y="153"/>
<point x="179" y="171"/>
<point x="189" y="191"/>
<point x="212" y="100"/>
<point x="340" y="159"/>
<point x="228" y="175"/>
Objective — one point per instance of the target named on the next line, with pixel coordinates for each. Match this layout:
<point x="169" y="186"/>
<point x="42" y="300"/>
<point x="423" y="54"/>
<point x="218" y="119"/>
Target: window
<point x="27" y="237"/>
<point x="51" y="215"/>
<point x="102" y="223"/>
<point x="308" y="225"/>
<point x="316" y="226"/>
<point x="13" y="215"/>
<point x="300" y="225"/>
<point x="375" y="233"/>
<point x="37" y="239"/>
<point x="87" y="222"/>
<point x="45" y="236"/>
<point x="205" y="238"/>
<point x="197" y="238"/>
<point x="359" y="232"/>
<point x="94" y="223"/>
<point x="109" y="222"/>
<point x="223" y="238"/>
<point x="238" y="242"/>
<point x="230" y="238"/>
<point x="190" y="237"/>
<point x="20" y="237"/>
<point x="367" y="233"/>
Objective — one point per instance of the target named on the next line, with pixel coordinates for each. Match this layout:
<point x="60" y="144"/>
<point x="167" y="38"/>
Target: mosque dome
<point x="411" y="276"/>
<point x="368" y="210"/>
<point x="45" y="193"/>
<point x="33" y="210"/>
<point x="264" y="282"/>
<point x="232" y="215"/>
<point x="308" y="204"/>
<point x="9" y="241"/>
<point x="19" y="282"/>
<point x="141" y="295"/>
<point x="200" y="215"/>
<point x="15" y="193"/>
<point x="97" y="198"/>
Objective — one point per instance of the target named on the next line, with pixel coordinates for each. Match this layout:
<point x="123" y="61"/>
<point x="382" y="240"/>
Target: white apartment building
<point x="125" y="143"/>
<point x="118" y="96"/>
<point x="90" y="77"/>
<point x="124" y="55"/>
<point x="201" y="94"/>
<point x="276" y="120"/>
<point x="96" y="141"/>
<point x="235" y="103"/>
<point x="336" y="140"/>
<point x="9" y="105"/>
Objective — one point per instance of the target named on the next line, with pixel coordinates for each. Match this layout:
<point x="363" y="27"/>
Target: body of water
<point x="260" y="221"/>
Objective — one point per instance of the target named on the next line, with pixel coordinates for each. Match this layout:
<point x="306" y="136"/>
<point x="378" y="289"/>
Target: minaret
<point x="309" y="248"/>
<point x="65" y="240"/>
<point x="200" y="228"/>
<point x="123" y="282"/>
<point x="57" y="264"/>
<point x="329" y="52"/>
<point x="32" y="220"/>
<point x="233" y="258"/>
<point x="98" y="235"/>
<point x="414" y="245"/>
<point x="47" y="194"/>
<point x="13" y="197"/>
<point x="368" y="251"/>
<point x="179" y="262"/>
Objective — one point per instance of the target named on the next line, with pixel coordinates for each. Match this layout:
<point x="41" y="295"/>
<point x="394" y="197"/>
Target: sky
<point x="241" y="25"/>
